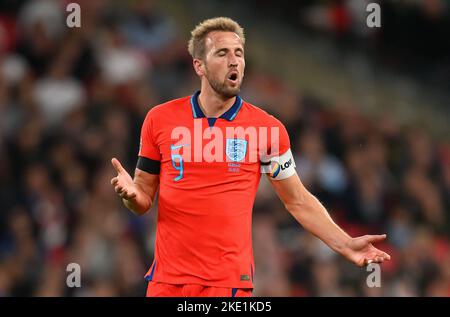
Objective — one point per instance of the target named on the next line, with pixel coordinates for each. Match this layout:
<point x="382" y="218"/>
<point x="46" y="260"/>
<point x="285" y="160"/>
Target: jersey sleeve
<point x="149" y="159"/>
<point x="277" y="160"/>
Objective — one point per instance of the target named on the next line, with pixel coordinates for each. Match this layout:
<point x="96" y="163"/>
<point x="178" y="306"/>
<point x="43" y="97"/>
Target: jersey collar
<point x="229" y="115"/>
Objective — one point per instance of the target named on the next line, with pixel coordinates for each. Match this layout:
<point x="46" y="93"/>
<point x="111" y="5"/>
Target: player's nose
<point x="233" y="61"/>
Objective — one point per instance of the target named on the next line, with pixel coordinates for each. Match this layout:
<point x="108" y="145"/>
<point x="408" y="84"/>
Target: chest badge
<point x="236" y="149"/>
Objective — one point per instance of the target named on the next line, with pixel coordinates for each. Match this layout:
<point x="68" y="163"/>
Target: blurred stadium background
<point x="367" y="111"/>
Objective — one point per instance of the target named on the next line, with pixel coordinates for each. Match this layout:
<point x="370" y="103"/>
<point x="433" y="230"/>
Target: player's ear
<point x="198" y="66"/>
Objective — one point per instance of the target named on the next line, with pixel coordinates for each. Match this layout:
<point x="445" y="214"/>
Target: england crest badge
<point x="236" y="149"/>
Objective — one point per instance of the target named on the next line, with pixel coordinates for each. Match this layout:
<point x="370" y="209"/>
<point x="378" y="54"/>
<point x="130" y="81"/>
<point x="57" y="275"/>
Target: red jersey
<point x="209" y="171"/>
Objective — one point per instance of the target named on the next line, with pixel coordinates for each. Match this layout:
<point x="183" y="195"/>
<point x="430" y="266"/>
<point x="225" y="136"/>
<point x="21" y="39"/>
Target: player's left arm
<point x="307" y="209"/>
<point x="313" y="216"/>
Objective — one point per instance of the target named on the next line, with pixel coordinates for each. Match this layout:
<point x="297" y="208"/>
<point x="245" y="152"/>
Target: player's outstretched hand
<point x="123" y="183"/>
<point x="361" y="251"/>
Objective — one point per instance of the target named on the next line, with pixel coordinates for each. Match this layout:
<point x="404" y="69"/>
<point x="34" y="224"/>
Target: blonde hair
<point x="196" y="45"/>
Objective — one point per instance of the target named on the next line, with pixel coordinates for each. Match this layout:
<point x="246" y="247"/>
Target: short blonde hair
<point x="196" y="46"/>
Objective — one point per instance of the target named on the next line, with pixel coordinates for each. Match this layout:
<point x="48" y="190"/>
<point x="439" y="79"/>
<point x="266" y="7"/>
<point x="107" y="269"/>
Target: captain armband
<point x="279" y="167"/>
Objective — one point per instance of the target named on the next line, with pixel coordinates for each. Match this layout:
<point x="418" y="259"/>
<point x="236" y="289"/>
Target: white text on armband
<point x="279" y="167"/>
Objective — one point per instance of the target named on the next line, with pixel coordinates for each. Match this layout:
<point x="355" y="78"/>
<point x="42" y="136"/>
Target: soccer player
<point x="206" y="153"/>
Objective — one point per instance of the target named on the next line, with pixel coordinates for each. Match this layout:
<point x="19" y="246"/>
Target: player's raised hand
<point x="123" y="183"/>
<point x="362" y="252"/>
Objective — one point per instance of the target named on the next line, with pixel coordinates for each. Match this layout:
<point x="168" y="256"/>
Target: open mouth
<point x="233" y="76"/>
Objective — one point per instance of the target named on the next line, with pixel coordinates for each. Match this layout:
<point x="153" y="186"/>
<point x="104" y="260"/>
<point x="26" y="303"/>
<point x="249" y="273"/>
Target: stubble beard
<point x="221" y="88"/>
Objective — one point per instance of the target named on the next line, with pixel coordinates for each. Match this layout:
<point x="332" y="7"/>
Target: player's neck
<point x="212" y="104"/>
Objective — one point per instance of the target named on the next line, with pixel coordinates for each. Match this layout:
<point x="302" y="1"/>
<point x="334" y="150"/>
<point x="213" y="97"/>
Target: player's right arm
<point x="137" y="194"/>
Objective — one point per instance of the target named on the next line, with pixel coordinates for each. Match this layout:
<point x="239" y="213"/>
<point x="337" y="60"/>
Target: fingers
<point x="376" y="238"/>
<point x="384" y="256"/>
<point x="374" y="260"/>
<point x="118" y="167"/>
<point x="114" y="181"/>
<point x="118" y="189"/>
<point x="124" y="193"/>
<point x="127" y="196"/>
<point x="378" y="258"/>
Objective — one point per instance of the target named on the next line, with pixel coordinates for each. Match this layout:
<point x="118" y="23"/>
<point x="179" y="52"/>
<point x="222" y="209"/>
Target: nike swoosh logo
<point x="174" y="147"/>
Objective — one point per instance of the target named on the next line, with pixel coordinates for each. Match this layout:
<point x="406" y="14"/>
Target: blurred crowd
<point x="412" y="39"/>
<point x="70" y="99"/>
